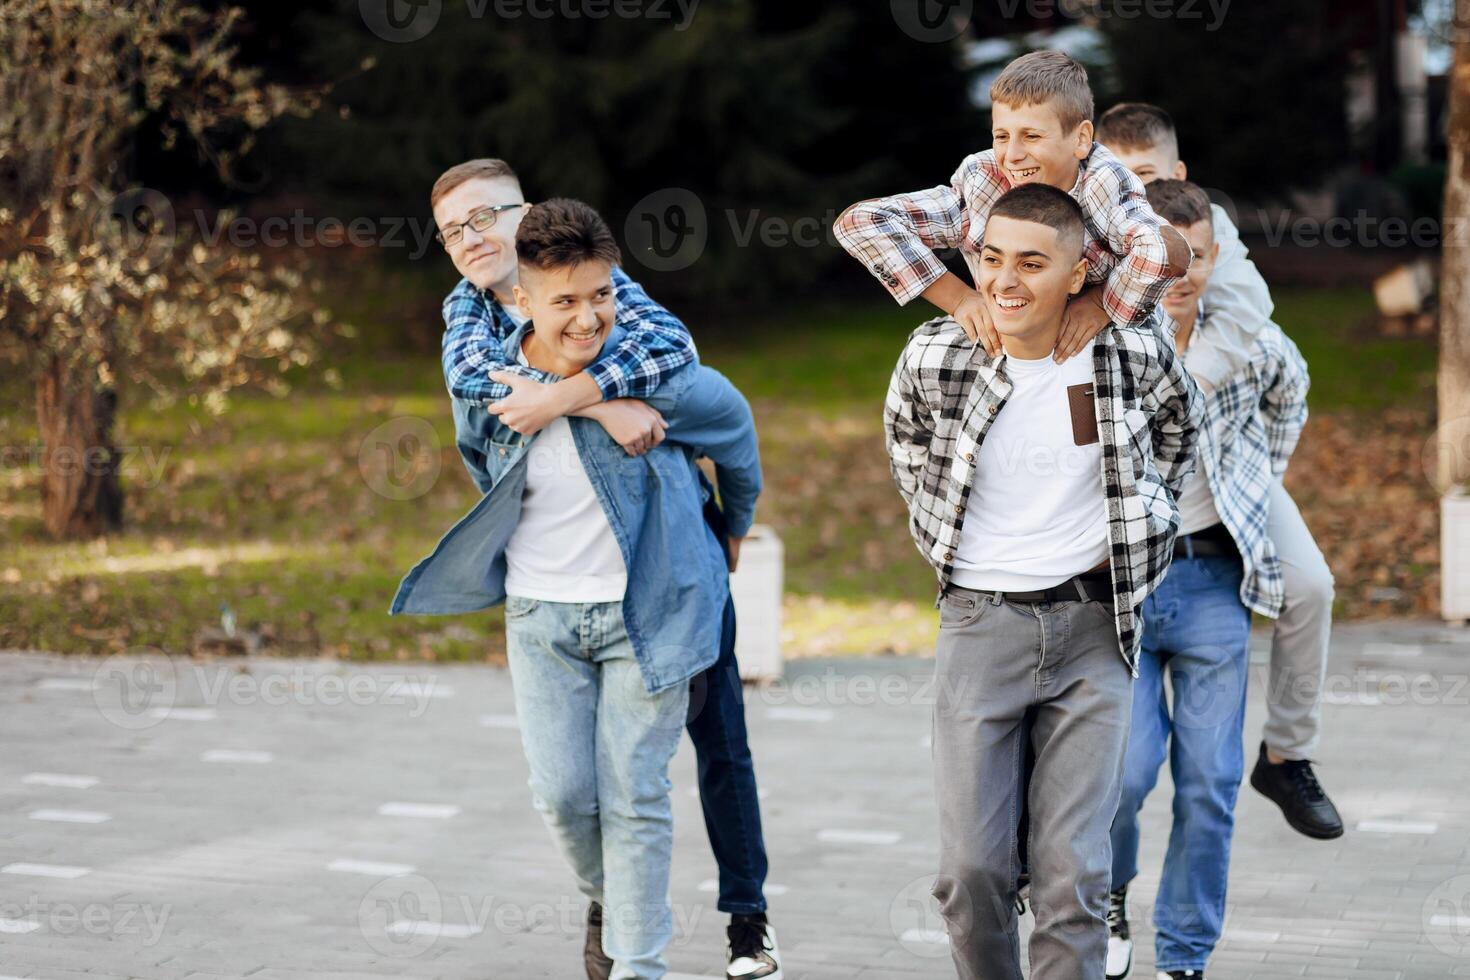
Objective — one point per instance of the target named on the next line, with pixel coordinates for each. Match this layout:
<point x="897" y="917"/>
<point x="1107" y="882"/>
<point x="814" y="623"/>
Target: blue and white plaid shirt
<point x="476" y="326"/>
<point x="1252" y="423"/>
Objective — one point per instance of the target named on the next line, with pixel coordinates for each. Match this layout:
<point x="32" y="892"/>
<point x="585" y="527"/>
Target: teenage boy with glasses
<point x="479" y="206"/>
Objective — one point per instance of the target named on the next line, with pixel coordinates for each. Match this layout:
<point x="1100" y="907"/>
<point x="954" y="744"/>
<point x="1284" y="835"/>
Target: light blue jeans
<point x="1197" y="627"/>
<point x="598" y="745"/>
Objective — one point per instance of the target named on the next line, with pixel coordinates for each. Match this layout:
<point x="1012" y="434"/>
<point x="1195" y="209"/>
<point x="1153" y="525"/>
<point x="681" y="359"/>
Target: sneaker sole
<point x="778" y="975"/>
<point x="1305" y="830"/>
<point x="1126" y="970"/>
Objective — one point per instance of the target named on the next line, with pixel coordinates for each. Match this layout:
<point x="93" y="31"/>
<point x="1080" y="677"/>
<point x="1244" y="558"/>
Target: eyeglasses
<point x="482" y="221"/>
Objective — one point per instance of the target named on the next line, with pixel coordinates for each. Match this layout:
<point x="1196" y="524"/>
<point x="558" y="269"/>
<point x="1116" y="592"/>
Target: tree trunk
<point x="1454" y="352"/>
<point x="81" y="496"/>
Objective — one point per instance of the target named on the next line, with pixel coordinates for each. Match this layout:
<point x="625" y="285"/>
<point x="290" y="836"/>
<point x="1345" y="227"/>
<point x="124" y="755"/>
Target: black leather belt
<point x="1212" y="542"/>
<point x="1088" y="586"/>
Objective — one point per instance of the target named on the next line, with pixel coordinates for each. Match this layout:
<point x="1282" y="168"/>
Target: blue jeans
<point x="598" y="745"/>
<point x="727" y="790"/>
<point x="1197" y="627"/>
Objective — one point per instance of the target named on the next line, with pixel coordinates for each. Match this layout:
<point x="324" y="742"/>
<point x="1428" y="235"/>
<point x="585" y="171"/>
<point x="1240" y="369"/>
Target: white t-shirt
<point x="1197" y="504"/>
<point x="563" y="549"/>
<point x="1036" y="514"/>
<point x="1197" y="509"/>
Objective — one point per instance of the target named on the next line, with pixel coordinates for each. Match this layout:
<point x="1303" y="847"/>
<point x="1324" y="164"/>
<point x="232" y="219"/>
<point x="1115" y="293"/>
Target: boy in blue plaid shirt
<point x="1197" y="623"/>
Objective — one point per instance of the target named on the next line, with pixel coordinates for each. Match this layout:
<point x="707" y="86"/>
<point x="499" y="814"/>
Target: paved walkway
<point x="280" y="819"/>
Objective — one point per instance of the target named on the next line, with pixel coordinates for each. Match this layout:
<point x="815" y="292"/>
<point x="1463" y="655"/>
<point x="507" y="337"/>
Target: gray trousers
<point x="1299" y="646"/>
<point x="1007" y="674"/>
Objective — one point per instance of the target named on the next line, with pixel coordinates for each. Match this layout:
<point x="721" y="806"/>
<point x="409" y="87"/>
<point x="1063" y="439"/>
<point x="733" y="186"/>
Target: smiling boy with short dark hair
<point x="1043" y="493"/>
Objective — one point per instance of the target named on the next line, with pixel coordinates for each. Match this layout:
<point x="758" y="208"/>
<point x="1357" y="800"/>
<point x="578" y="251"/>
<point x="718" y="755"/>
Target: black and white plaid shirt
<point x="946" y="392"/>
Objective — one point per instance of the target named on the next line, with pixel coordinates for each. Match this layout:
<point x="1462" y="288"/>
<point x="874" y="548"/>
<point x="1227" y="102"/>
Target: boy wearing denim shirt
<point x="1042" y="132"/>
<point x="1043" y="493"/>
<point x="612" y="580"/>
<point x="1144" y="138"/>
<point x="1198" y="622"/>
<point x="478" y="205"/>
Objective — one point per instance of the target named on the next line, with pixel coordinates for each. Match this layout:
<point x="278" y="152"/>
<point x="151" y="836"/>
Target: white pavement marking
<point x="499" y="721"/>
<point x="936" y="937"/>
<point x="59" y="779"/>
<point x="711" y="885"/>
<point x="799" y="714"/>
<point x="382" y="869"/>
<point x="1252" y="936"/>
<point x="411" y="928"/>
<point x="1397" y="827"/>
<point x="45" y="870"/>
<point x="877" y="837"/>
<point x="1392" y="650"/>
<point x="71" y="816"/>
<point x="435" y="811"/>
<point x="426" y="689"/>
<point x="236" y="755"/>
<point x="18" y="927"/>
<point x="183" y="714"/>
<point x="1455" y="921"/>
<point x="65" y="684"/>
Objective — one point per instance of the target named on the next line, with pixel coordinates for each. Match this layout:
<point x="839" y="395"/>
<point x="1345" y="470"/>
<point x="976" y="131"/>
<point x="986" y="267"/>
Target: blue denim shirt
<point x="677" y="577"/>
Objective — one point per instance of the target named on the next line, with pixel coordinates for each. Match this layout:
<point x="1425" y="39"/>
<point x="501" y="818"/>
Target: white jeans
<point x="1299" y="646"/>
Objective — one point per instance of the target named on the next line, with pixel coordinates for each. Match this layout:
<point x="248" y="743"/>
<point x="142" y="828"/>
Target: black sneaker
<point x="1181" y="975"/>
<point x="599" y="966"/>
<point x="752" y="949"/>
<point x="1120" y="942"/>
<point x="1294" y="787"/>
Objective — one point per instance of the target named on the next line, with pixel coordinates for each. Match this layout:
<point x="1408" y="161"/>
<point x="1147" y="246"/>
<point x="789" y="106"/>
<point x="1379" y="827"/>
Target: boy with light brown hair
<point x="1042" y="133"/>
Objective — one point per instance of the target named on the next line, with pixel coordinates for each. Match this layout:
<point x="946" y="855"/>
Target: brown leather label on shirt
<point x="1084" y="418"/>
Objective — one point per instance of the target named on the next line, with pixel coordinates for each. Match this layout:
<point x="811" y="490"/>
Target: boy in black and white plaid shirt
<point x="1044" y="495"/>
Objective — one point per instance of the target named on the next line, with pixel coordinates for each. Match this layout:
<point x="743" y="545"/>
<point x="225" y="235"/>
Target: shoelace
<point x="1117" y="922"/>
<point x="746" y="939"/>
<point x="1305" y="779"/>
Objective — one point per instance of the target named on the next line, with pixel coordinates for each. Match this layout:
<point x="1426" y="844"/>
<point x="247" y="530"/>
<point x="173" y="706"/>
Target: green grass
<point x="272" y="510"/>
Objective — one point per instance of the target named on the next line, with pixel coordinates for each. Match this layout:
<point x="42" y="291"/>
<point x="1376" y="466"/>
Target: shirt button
<point x="969" y="457"/>
<point x="502" y="452"/>
<point x="958" y="508"/>
<point x="948" y="556"/>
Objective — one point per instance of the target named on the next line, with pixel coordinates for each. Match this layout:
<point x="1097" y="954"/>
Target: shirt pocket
<point x="501" y="453"/>
<point x="630" y="472"/>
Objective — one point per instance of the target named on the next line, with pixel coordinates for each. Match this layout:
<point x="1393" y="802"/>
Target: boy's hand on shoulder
<point x="634" y="425"/>
<point x="531" y="405"/>
<point x="734" y="551"/>
<point x="974" y="316"/>
<point x="1083" y="320"/>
